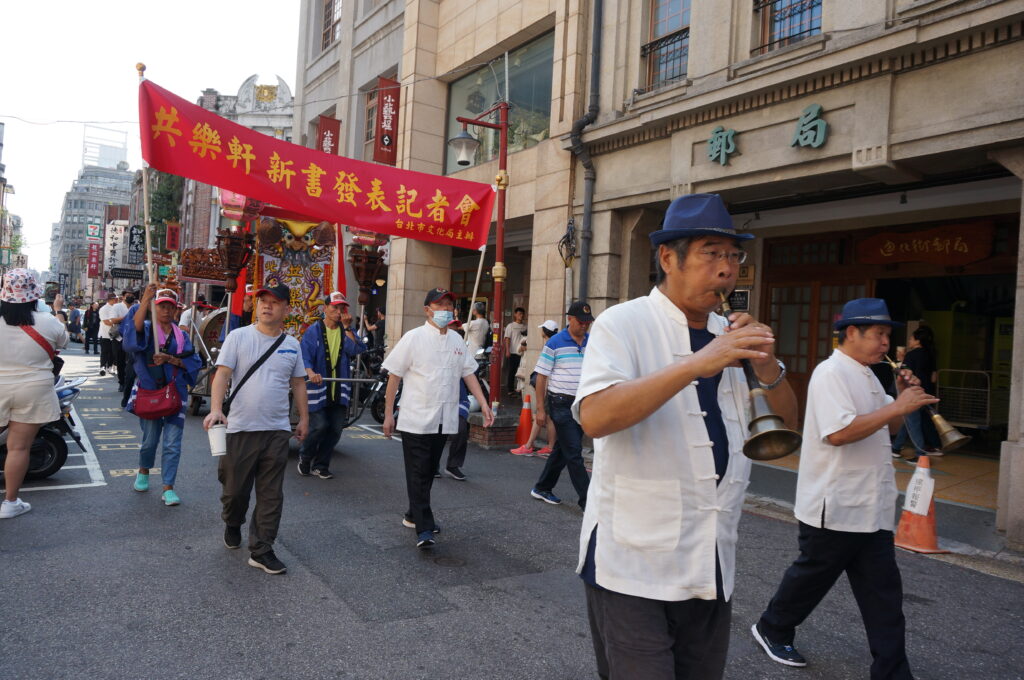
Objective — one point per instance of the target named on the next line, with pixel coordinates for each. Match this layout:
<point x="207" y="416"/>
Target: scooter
<point x="49" y="450"/>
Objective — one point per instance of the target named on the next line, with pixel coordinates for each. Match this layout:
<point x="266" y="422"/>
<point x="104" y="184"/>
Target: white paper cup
<point x="218" y="435"/>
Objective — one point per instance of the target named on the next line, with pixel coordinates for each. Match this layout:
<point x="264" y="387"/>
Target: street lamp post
<point x="465" y="146"/>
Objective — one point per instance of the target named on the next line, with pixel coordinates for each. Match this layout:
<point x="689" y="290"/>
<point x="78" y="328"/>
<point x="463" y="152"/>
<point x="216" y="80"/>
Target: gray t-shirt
<point x="262" y="403"/>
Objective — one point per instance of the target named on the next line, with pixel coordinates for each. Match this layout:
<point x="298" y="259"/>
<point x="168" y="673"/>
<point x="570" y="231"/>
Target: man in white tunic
<point x="430" y="362"/>
<point x="846" y="495"/>
<point x="663" y="396"/>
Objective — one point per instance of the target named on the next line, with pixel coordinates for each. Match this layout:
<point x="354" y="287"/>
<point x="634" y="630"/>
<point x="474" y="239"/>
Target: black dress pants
<point x="422" y="453"/>
<point x="869" y="560"/>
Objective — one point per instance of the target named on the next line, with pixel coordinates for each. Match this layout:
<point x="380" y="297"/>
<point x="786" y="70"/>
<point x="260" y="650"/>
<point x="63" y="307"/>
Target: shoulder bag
<point x="162" y="402"/>
<point x="58" y="363"/>
<point x="226" y="406"/>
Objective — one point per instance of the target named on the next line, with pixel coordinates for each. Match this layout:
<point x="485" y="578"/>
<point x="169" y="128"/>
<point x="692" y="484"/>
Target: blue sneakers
<point x="784" y="654"/>
<point x="546" y="496"/>
<point x="171" y="498"/>
<point x="425" y="539"/>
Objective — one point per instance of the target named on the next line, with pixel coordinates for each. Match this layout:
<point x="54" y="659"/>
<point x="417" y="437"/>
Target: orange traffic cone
<point x="525" y="422"/>
<point x="916" y="532"/>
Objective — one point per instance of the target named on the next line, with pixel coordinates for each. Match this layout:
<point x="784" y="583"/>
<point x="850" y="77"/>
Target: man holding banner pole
<point x="846" y="495"/>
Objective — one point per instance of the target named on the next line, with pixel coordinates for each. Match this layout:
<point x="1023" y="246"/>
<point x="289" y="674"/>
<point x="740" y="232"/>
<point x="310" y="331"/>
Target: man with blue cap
<point x="662" y="393"/>
<point x="846" y="495"/>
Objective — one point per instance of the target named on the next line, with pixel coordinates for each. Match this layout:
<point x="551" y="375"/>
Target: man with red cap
<point x="430" y="362"/>
<point x="328" y="347"/>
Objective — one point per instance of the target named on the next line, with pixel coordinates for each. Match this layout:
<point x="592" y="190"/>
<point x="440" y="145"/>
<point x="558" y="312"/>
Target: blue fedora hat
<point x="696" y="215"/>
<point x="865" y="312"/>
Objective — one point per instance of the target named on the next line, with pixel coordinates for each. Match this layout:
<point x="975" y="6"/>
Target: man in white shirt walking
<point x="661" y="393"/>
<point x="846" y="495"/>
<point x="258" y="426"/>
<point x="111" y="315"/>
<point x="430" y="362"/>
<point x="514" y="339"/>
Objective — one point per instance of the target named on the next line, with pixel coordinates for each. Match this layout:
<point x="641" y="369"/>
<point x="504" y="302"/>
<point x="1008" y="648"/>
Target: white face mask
<point x="41" y="306"/>
<point x="443" y="317"/>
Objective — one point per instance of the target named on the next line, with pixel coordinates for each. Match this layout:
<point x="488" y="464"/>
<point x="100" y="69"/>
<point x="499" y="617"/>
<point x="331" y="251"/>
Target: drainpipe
<point x="580" y="151"/>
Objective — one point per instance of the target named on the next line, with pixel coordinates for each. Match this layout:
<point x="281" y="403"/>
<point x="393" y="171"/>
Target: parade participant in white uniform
<point x="430" y="362"/>
<point x="846" y="495"/>
<point x="663" y="396"/>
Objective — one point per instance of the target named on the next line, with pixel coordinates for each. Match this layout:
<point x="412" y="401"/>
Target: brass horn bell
<point x="950" y="438"/>
<point x="769" y="437"/>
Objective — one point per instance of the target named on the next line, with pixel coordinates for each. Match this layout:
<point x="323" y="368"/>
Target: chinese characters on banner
<point x="172" y="239"/>
<point x="328" y="131"/>
<point x="385" y="149"/>
<point x="187" y="140"/>
<point x="94" y="260"/>
<point x="811" y="131"/>
<point x="950" y="245"/>
<point x="136" y="244"/>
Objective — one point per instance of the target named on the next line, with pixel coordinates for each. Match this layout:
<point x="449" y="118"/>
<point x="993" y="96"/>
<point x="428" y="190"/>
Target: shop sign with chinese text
<point x="949" y="245"/>
<point x="328" y="133"/>
<point x="94" y="260"/>
<point x="187" y="140"/>
<point x="136" y="244"/>
<point x="385" y="148"/>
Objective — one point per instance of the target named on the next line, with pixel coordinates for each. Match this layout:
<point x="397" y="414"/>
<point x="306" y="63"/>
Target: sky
<point x="75" y="61"/>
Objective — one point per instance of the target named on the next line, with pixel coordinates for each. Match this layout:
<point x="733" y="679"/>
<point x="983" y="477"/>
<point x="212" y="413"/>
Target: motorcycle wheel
<point x="48" y="454"/>
<point x="377" y="410"/>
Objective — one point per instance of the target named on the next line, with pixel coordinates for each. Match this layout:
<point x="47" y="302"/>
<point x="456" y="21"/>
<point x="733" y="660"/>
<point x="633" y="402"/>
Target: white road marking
<point x="379" y="431"/>
<point x="92" y="464"/>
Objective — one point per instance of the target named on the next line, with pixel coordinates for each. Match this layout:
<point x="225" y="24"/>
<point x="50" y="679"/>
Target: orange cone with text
<point x="525" y="422"/>
<point x="916" y="531"/>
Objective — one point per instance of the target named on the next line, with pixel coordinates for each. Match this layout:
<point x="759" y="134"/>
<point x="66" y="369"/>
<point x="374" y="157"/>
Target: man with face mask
<point x="431" y="362"/>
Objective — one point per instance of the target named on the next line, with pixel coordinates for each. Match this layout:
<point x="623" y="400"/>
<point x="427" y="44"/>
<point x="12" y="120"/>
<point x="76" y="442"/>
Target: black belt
<point x="554" y="396"/>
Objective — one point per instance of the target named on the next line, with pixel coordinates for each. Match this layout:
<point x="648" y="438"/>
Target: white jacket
<point x="653" y="496"/>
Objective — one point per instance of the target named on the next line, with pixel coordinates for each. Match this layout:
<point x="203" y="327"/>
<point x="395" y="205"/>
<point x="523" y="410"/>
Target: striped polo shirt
<point x="560" y="361"/>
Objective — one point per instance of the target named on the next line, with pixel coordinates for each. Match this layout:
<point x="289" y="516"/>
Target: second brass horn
<point x="950" y="438"/>
<point x="769" y="437"/>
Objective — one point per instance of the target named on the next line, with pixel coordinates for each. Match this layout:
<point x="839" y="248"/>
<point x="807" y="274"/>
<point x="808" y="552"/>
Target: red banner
<point x="172" y="241"/>
<point x="187" y="140"/>
<point x="94" y="261"/>
<point x="385" y="142"/>
<point x="328" y="134"/>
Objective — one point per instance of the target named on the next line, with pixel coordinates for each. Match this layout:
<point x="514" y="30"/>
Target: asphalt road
<point x="102" y="582"/>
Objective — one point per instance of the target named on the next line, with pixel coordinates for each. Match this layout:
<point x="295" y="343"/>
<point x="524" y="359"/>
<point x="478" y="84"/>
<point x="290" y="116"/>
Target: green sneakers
<point x="171" y="498"/>
<point x="141" y="482"/>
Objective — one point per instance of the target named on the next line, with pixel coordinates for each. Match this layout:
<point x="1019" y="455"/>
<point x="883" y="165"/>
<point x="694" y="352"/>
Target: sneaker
<point x="523" y="450"/>
<point x="455" y="473"/>
<point x="171" y="498"/>
<point x="437" y="474"/>
<point x="544" y="452"/>
<point x="268" y="562"/>
<point x="546" y="496"/>
<point x="232" y="537"/>
<point x="9" y="509"/>
<point x="934" y="453"/>
<point x="323" y="474"/>
<point x="409" y="524"/>
<point x="141" y="482"/>
<point x="425" y="539"/>
<point x="304" y="468"/>
<point x="784" y="654"/>
<point x="897" y="454"/>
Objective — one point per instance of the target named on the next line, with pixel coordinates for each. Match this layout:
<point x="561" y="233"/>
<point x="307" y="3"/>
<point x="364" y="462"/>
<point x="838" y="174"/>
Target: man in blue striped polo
<point x="558" y="376"/>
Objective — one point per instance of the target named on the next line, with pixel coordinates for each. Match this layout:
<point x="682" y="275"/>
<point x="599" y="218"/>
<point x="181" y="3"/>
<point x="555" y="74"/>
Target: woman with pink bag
<point x="161" y="359"/>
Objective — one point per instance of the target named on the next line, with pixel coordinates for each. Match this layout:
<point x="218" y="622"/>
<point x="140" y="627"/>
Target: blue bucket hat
<point x="696" y="215"/>
<point x="865" y="312"/>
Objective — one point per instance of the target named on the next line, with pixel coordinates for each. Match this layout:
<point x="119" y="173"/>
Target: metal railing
<point x="966" y="399"/>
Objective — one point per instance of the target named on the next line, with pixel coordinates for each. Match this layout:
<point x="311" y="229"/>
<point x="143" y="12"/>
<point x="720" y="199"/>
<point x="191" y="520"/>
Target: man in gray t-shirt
<point x="258" y="428"/>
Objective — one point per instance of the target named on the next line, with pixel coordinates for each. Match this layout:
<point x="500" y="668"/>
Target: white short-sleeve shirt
<point x="431" y="365"/>
<point x="115" y="311"/>
<point x="850" y="487"/>
<point x="653" y="496"/>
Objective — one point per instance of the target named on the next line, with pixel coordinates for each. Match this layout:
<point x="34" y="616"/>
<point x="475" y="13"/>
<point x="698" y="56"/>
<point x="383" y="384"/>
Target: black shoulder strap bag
<point x="226" y="407"/>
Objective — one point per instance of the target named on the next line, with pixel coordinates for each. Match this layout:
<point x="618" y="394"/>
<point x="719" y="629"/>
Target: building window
<point x="784" y="22"/>
<point x="332" y="23"/>
<point x="666" y="53"/>
<point x="528" y="91"/>
<point x="371" y="124"/>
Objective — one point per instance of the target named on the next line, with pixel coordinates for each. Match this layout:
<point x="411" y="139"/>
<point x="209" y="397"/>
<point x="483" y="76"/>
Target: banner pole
<point x="476" y="284"/>
<point x="141" y="68"/>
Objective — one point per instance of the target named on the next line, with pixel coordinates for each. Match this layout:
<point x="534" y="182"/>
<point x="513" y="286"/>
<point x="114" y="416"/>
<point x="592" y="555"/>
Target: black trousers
<point x="457" y="445"/>
<point x="106" y="352"/>
<point x="91" y="339"/>
<point x="635" y="637"/>
<point x="869" y="561"/>
<point x="119" y="359"/>
<point x="254" y="459"/>
<point x="513" y="368"/>
<point x="422" y="453"/>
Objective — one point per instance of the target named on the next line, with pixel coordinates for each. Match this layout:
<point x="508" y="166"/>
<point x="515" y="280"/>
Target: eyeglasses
<point x="733" y="256"/>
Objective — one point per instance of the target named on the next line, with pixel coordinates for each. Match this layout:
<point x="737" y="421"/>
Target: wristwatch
<point x="778" y="381"/>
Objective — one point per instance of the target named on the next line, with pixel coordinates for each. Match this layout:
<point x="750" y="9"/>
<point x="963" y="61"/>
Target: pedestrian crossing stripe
<point x="129" y="472"/>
